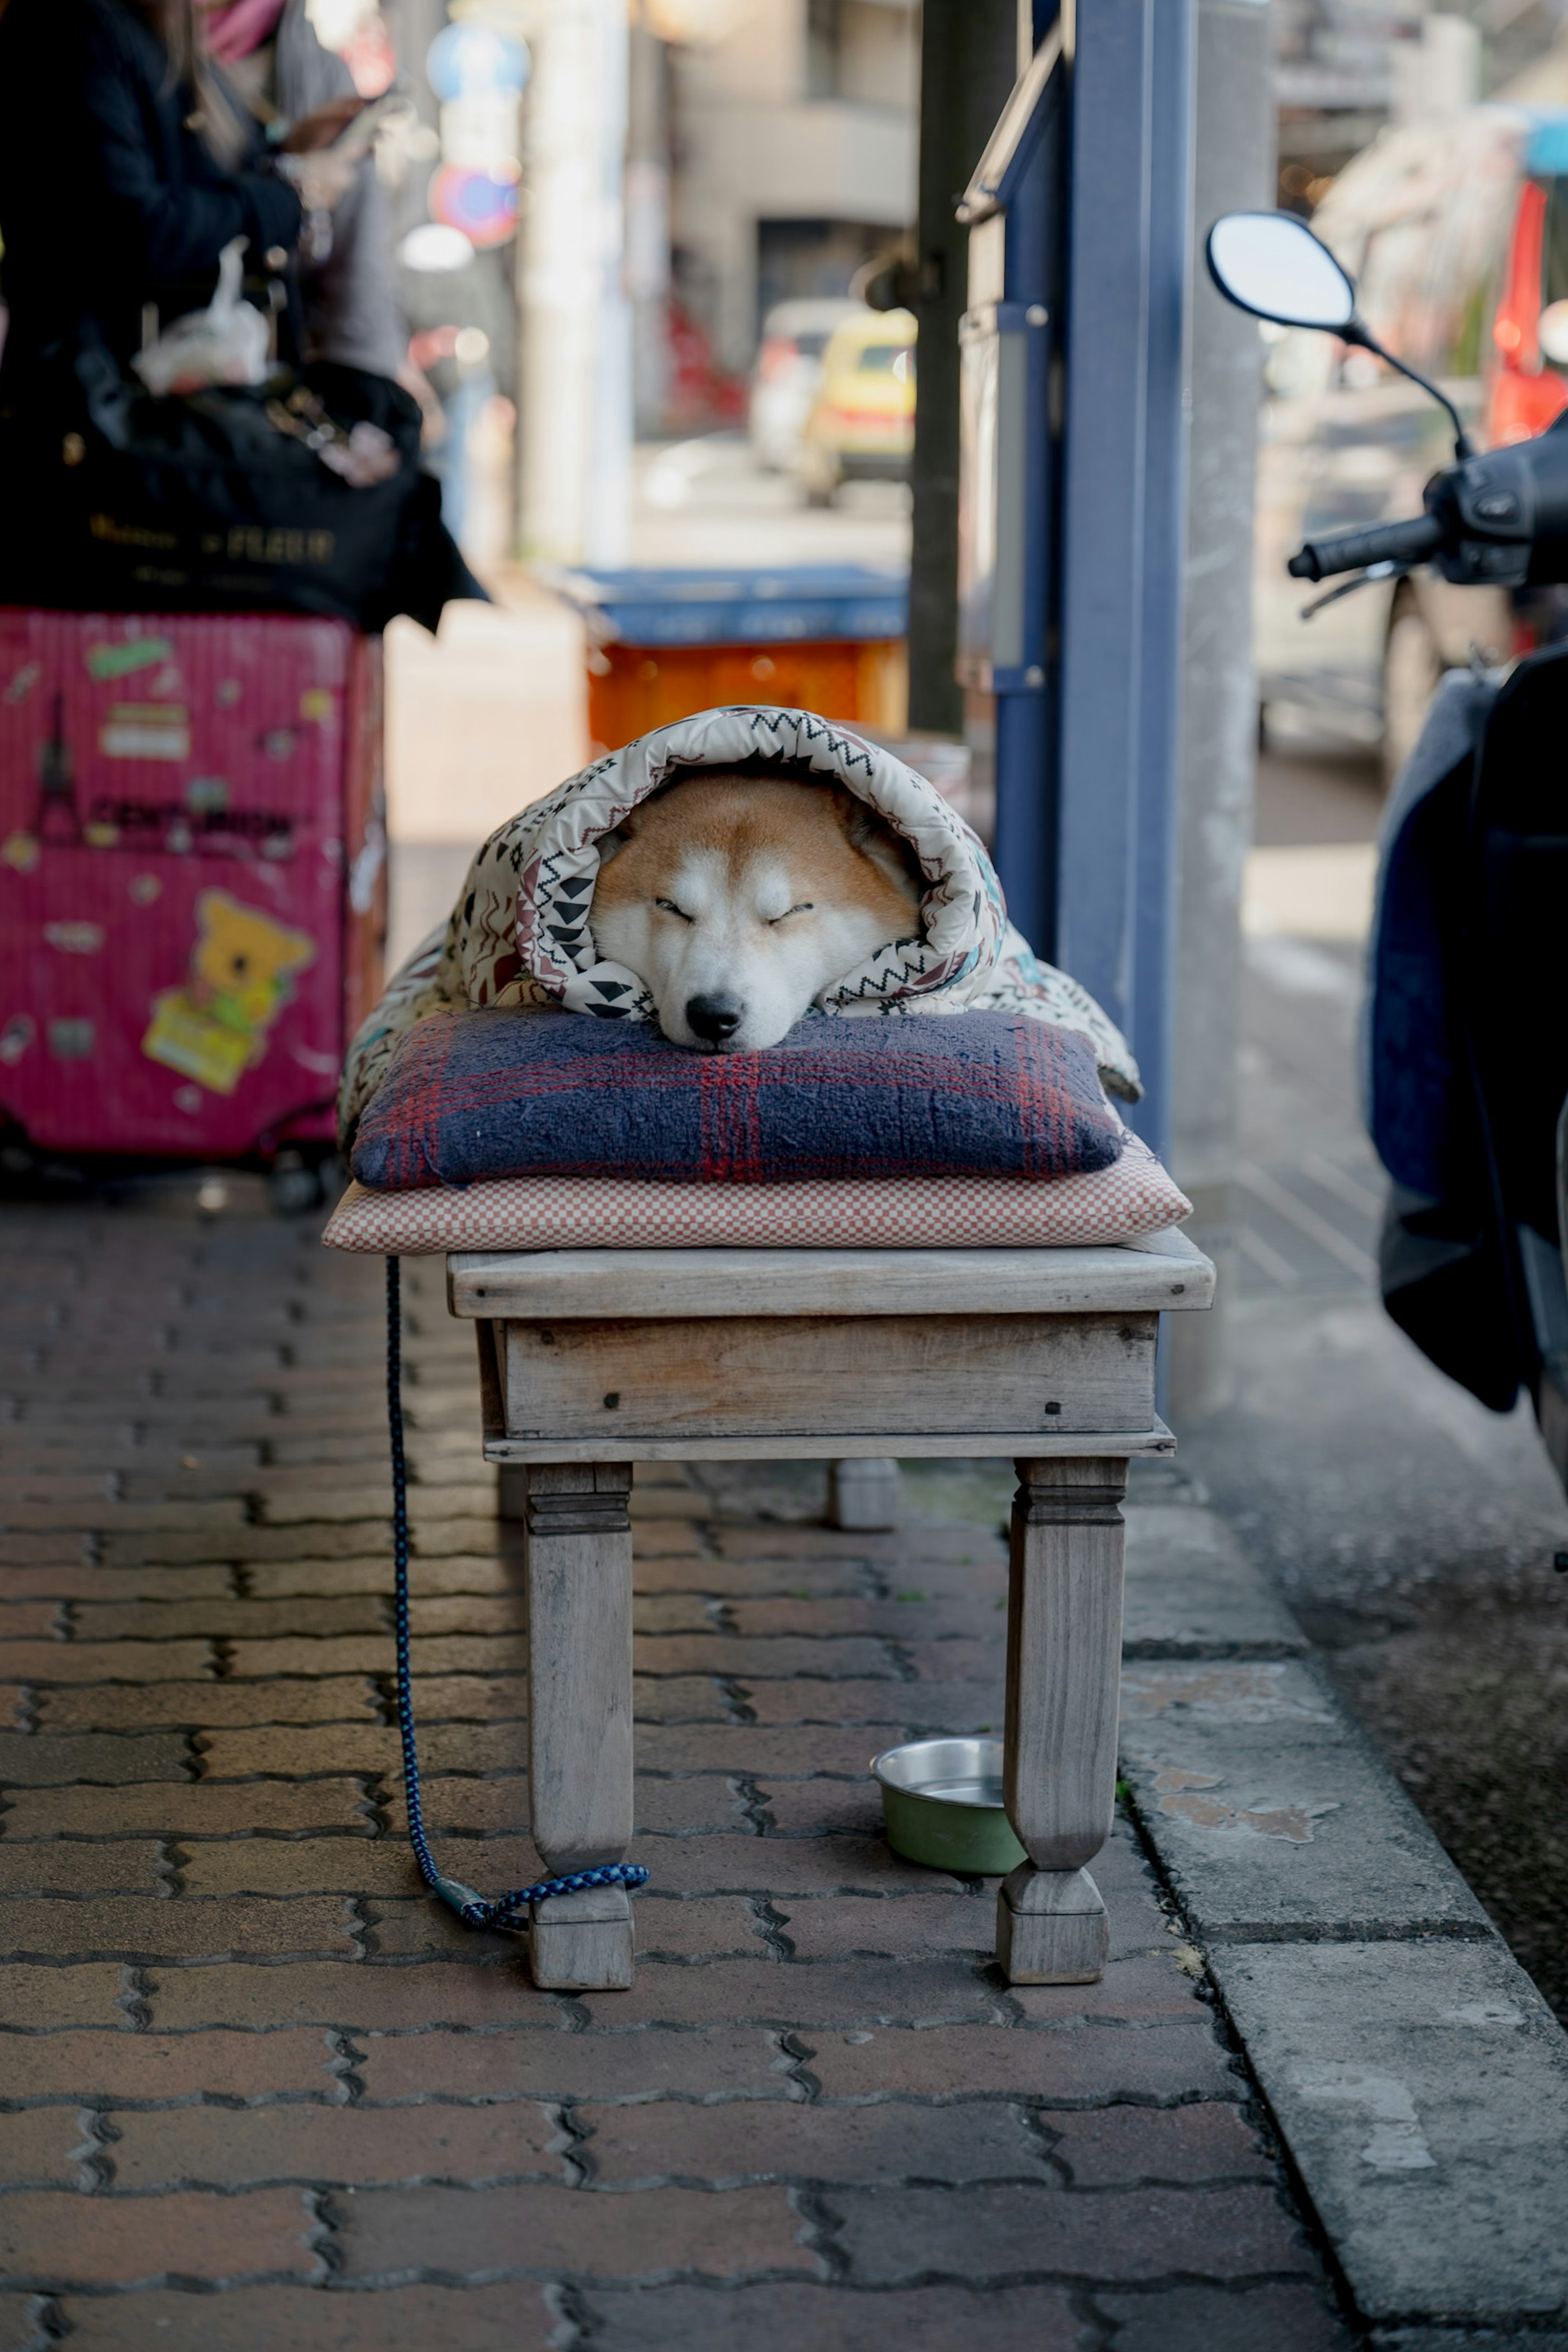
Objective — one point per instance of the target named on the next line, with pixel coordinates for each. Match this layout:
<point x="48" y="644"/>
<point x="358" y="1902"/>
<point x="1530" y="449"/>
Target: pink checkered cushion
<point x="1133" y="1196"/>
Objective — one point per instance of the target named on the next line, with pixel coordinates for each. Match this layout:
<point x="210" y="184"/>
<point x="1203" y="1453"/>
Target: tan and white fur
<point x="738" y="899"/>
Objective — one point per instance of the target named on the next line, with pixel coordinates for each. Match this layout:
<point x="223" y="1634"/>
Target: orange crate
<point x="632" y="688"/>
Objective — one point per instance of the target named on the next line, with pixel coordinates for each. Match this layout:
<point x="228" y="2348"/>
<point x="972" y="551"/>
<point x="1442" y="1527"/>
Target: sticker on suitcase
<point x="214" y="1027"/>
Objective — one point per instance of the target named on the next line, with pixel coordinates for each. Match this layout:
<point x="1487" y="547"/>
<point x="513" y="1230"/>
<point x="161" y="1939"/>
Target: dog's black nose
<point x="713" y="1017"/>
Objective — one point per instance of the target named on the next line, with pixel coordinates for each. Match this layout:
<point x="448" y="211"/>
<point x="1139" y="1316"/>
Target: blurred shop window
<point x="863" y="51"/>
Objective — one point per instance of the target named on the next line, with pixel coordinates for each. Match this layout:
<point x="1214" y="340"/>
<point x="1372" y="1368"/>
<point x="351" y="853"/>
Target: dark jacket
<point x="108" y="198"/>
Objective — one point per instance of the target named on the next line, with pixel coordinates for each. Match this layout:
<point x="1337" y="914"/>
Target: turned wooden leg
<point x="579" y="1570"/>
<point x="1064" y="1655"/>
<point x="866" y="1493"/>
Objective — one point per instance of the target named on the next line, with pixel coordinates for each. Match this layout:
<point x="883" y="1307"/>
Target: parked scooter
<point x="1466" y="1056"/>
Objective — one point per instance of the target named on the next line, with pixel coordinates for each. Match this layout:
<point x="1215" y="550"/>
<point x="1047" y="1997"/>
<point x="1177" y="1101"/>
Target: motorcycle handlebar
<point x="1388" y="542"/>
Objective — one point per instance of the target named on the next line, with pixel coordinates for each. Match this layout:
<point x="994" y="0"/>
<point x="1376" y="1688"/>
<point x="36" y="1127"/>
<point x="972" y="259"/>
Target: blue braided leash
<point x="474" y="1909"/>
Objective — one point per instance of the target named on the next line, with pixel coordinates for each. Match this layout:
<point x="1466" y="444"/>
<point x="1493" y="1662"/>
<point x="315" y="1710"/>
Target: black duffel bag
<point x="220" y="500"/>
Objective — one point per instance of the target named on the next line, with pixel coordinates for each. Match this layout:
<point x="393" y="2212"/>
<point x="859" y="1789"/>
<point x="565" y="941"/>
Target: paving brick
<point x="131" y="1928"/>
<point x="557" y="2065"/>
<point x="307" y="2319"/>
<point x="218" y="1517"/>
<point x="101" y="1759"/>
<point x="728" y="1654"/>
<point x="955" y="1661"/>
<point x="779" y="2318"/>
<point x="38" y="2000"/>
<point x="751" y="1749"/>
<point x="105" y="1662"/>
<point x="672" y="1613"/>
<point x="96" y="2068"/>
<point x="681" y="1808"/>
<point x="465" y="1572"/>
<point x="335" y="1748"/>
<point x="226" y="1619"/>
<point x="1118" y="2235"/>
<point x="416" y="1926"/>
<point x="211" y="1706"/>
<point x="356" y="1996"/>
<point x="193" y="1810"/>
<point x="1199" y="2319"/>
<point x="470" y="1698"/>
<point x="347" y="1865"/>
<point x="901" y="1927"/>
<point x="21" y="1621"/>
<point x="681" y="1698"/>
<point x="1110" y="2148"/>
<point x="805" y="1699"/>
<point x="36" y="2148"/>
<point x="1086" y="2065"/>
<point x="800" y="2000"/>
<point x="175" y="1549"/>
<point x="530" y="2231"/>
<point x="694" y="1570"/>
<point x="106" y="1867"/>
<point x="52" y="1549"/>
<point x="50" y="2240"/>
<point x="739" y="2141"/>
<point x="803" y="1809"/>
<point x="443" y="1653"/>
<point x="783" y="1866"/>
<point x="896" y="1551"/>
<point x="895" y="1619"/>
<point x="215" y="2147"/>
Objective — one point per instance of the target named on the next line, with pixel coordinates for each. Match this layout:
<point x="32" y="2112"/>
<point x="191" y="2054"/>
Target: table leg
<point x="1064" y="1651"/>
<point x="579" y="1570"/>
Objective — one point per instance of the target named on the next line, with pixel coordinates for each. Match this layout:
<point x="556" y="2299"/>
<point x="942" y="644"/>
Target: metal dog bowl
<point x="942" y="1801"/>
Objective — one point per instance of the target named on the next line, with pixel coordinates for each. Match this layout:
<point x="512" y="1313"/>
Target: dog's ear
<point x="875" y="838"/>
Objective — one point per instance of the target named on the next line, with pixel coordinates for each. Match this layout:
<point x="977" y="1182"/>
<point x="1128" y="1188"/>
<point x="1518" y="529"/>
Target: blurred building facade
<point x="1343" y="69"/>
<point x="793" y="139"/>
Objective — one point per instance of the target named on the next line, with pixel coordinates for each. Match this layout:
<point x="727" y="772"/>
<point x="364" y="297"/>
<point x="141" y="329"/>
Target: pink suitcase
<point x="191" y="879"/>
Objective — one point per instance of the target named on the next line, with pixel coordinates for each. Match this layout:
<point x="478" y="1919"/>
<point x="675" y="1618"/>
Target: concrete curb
<point x="1415" y="2075"/>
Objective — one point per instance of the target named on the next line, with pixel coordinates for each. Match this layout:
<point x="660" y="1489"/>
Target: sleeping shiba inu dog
<point x="736" y="897"/>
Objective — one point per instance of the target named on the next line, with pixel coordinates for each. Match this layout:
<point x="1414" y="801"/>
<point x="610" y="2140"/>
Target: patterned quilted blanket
<point x="521" y="932"/>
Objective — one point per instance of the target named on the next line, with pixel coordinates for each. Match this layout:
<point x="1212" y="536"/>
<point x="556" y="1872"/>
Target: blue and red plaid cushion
<point x="470" y="1095"/>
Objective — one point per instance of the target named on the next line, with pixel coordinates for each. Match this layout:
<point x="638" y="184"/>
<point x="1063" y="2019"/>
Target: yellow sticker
<point x="215" y="1028"/>
<point x="20" y="850"/>
<point x="315" y="703"/>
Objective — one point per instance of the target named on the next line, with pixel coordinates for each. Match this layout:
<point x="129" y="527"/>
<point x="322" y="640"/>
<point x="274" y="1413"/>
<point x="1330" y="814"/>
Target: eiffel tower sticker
<point x="58" y="820"/>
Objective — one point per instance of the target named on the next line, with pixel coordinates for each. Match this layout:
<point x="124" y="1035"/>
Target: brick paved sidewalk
<point x="258" y="2090"/>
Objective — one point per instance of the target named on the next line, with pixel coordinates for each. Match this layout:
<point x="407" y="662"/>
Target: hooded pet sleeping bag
<point x="521" y="933"/>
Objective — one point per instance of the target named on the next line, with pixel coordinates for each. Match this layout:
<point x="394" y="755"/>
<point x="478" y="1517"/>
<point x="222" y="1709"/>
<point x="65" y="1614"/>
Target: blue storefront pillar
<point x="1123" y="520"/>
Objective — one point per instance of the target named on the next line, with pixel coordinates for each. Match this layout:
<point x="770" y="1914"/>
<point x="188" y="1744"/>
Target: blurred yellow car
<point x="862" y="425"/>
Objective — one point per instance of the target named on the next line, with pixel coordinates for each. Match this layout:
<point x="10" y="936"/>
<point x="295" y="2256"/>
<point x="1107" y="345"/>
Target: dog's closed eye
<point x="668" y="907"/>
<point x="805" y="908"/>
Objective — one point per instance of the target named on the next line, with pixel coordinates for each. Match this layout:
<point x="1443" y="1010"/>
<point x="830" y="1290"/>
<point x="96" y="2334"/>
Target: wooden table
<point x="592" y="1360"/>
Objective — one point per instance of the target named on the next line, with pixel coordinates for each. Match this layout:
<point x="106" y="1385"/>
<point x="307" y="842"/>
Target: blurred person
<point x="457" y="305"/>
<point x="303" y="97"/>
<point x="128" y="163"/>
<point x="125" y="168"/>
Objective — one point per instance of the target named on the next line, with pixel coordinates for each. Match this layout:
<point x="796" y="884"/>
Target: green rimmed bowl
<point x="942" y="1802"/>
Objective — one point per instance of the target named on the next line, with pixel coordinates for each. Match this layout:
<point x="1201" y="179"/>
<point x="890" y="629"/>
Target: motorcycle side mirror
<point x="1272" y="265"/>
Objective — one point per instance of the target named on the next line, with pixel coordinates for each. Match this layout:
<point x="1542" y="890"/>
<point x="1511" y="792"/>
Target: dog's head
<point x="738" y="897"/>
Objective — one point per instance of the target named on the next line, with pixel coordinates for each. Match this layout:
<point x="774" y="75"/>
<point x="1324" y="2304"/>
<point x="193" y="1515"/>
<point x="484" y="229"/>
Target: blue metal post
<point x="1122" y="523"/>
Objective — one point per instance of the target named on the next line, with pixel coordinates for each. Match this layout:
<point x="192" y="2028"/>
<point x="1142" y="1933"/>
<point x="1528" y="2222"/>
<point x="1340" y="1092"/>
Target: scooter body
<point x="1467" y="1059"/>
